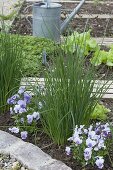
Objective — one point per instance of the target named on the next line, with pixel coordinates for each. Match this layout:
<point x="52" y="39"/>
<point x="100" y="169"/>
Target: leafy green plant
<point x="99" y="112"/>
<point x="10" y="67"/>
<point x="101" y="56"/>
<point x="67" y="96"/>
<point x="87" y="44"/>
<point x="83" y="40"/>
<point x="32" y="53"/>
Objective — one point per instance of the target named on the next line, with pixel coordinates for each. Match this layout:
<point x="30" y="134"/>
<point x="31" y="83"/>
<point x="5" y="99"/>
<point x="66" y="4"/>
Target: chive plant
<point x="10" y="67"/>
<point x="68" y="97"/>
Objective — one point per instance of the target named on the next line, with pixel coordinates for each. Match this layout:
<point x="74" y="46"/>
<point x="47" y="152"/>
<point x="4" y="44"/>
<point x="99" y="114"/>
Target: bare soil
<point x="23" y="23"/>
<point x="87" y="8"/>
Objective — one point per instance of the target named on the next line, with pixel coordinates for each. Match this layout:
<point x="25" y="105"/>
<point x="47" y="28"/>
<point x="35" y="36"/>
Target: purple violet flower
<point x="14" y="130"/>
<point x="12" y="100"/>
<point x="21" y="90"/>
<point x="90" y="143"/>
<point x="22" y="103"/>
<point x="87" y="153"/>
<point x="27" y="97"/>
<point x="29" y="118"/>
<point x="99" y="162"/>
<point x="77" y="140"/>
<point x="17" y="108"/>
<point x="24" y="134"/>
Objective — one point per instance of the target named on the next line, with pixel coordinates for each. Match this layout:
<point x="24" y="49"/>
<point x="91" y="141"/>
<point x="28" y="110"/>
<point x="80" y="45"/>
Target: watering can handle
<point x="47" y="2"/>
<point x="71" y="16"/>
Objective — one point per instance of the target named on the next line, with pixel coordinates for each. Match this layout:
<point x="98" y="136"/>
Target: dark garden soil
<point x="97" y="26"/>
<point x="87" y="8"/>
<point x="23" y="26"/>
<point x="23" y="23"/>
<point x="55" y="151"/>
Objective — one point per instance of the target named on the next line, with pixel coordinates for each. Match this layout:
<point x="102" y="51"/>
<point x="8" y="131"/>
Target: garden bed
<point x="55" y="151"/>
<point x="23" y="23"/>
<point x="87" y="8"/>
<point x="98" y="26"/>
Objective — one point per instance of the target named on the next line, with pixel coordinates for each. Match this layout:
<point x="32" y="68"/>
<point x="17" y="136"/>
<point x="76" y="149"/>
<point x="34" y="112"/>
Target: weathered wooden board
<point x="32" y="81"/>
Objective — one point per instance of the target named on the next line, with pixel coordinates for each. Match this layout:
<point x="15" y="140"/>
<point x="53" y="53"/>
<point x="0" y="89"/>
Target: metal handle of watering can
<point x="71" y="16"/>
<point x="48" y="2"/>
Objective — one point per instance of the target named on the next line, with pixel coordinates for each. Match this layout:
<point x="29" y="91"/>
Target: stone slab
<point x="28" y="154"/>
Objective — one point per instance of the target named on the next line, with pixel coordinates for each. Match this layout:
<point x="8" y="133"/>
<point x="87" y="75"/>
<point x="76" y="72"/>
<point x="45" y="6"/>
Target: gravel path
<point x="10" y="163"/>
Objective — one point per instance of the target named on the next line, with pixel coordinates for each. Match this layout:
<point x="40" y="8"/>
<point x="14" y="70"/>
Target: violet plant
<point x="90" y="145"/>
<point x="24" y="114"/>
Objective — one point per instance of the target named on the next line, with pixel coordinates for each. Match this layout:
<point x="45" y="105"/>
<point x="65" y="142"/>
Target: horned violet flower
<point x="90" y="142"/>
<point x="24" y="135"/>
<point x="14" y="130"/>
<point x="100" y="162"/>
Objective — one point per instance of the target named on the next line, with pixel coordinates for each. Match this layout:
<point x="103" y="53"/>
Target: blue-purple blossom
<point x="21" y="90"/>
<point x="27" y="97"/>
<point x="90" y="143"/>
<point x="22" y="110"/>
<point x="85" y="131"/>
<point x="101" y="144"/>
<point x="22" y="103"/>
<point x="68" y="150"/>
<point x="29" y="118"/>
<point x="94" y="138"/>
<point x="17" y="108"/>
<point x="12" y="100"/>
<point x="14" y="130"/>
<point x="36" y="115"/>
<point x="87" y="153"/>
<point x="100" y="162"/>
<point x="24" y="134"/>
<point x="91" y="134"/>
<point x="77" y="140"/>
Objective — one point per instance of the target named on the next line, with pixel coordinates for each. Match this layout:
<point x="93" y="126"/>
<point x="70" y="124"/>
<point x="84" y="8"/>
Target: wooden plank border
<point x="31" y="82"/>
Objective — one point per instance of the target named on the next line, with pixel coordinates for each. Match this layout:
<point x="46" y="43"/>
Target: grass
<point x="10" y="68"/>
<point x="68" y="97"/>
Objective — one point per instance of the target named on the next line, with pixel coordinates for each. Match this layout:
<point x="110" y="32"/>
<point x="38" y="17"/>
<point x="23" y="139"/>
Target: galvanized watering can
<point x="47" y="22"/>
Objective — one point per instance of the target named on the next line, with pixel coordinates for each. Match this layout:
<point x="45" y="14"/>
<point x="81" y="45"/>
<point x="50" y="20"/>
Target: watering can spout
<point x="71" y="16"/>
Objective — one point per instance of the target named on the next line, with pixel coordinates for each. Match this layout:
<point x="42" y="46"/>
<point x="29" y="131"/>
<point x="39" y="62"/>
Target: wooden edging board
<point x="34" y="81"/>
